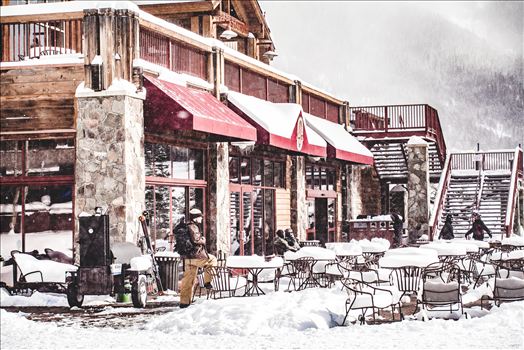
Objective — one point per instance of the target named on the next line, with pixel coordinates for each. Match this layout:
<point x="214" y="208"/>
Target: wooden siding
<point x="232" y="76"/>
<point x="283" y="209"/>
<point x="277" y="92"/>
<point x="38" y="98"/>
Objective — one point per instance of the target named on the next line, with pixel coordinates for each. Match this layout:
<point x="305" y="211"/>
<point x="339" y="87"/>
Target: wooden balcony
<point x="398" y="122"/>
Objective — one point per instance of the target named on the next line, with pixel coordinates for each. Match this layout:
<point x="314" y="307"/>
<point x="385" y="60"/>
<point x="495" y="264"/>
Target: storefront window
<point x="258" y="172"/>
<point x="36" y="212"/>
<point x="245" y="170"/>
<point x="50" y="157"/>
<point x="320" y="177"/>
<point x="174" y="162"/>
<point x="48" y="218"/>
<point x="233" y="170"/>
<point x="162" y="161"/>
<point x="268" y="173"/>
<point x="11" y="158"/>
<point x="170" y="205"/>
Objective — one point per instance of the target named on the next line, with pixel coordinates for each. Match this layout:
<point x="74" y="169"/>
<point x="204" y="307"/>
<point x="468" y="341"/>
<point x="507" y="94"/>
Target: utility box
<point x="94" y="241"/>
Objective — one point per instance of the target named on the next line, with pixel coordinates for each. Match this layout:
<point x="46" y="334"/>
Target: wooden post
<point x="208" y="27"/>
<point x="112" y="35"/>
<point x="218" y="69"/>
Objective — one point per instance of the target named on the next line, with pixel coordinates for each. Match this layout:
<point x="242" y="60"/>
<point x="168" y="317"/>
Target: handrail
<point x="439" y="198"/>
<point x="512" y="191"/>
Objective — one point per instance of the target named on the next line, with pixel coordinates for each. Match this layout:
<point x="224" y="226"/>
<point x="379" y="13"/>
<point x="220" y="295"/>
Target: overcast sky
<point x="375" y="53"/>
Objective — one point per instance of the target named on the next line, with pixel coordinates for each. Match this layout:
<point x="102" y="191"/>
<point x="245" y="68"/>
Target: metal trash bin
<point x="168" y="267"/>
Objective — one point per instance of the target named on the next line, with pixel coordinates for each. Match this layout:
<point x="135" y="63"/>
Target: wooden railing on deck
<point x="396" y="119"/>
<point x="492" y="160"/>
<point x="160" y="48"/>
<point x="25" y="37"/>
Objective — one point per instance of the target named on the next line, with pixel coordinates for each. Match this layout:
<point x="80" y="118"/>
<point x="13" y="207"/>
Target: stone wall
<point x="418" y="186"/>
<point x="298" y="197"/>
<point x="218" y="213"/>
<point x="364" y="191"/>
<point x="109" y="169"/>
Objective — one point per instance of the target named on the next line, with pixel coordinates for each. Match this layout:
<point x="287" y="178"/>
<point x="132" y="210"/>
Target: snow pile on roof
<point x="336" y="135"/>
<point x="277" y="118"/>
<point x="416" y="140"/>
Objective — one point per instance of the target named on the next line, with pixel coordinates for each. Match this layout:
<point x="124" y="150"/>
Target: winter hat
<point x="195" y="213"/>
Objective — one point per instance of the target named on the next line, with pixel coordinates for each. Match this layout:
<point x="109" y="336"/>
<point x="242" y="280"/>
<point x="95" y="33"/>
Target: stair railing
<point x="439" y="198"/>
<point x="516" y="168"/>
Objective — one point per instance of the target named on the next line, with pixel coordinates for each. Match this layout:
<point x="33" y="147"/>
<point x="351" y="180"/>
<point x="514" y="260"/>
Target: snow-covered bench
<point x="42" y="275"/>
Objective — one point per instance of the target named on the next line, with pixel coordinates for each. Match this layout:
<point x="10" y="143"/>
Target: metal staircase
<point x="483" y="181"/>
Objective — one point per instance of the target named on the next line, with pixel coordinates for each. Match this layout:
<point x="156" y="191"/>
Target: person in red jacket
<point x="200" y="258"/>
<point x="478" y="227"/>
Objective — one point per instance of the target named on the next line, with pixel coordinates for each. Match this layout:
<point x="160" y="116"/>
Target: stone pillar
<point x="298" y="197"/>
<point x="418" y="185"/>
<point x="364" y="191"/>
<point x="109" y="169"/>
<point x="218" y="225"/>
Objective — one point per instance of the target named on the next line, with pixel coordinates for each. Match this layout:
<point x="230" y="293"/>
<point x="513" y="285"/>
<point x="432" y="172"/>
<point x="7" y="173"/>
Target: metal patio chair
<point x="363" y="296"/>
<point x="225" y="282"/>
<point x="441" y="288"/>
<point x="301" y="273"/>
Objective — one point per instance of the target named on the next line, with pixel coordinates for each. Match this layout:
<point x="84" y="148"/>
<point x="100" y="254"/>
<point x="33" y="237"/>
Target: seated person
<point x="280" y="243"/>
<point x="291" y="240"/>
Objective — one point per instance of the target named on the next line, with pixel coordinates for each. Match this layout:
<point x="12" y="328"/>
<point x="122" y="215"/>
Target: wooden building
<point x="120" y="107"/>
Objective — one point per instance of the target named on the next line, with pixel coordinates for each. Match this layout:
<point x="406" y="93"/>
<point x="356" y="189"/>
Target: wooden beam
<point x="322" y="95"/>
<point x="174" y="35"/>
<point x="227" y="21"/>
<point x="42" y="17"/>
<point x="257" y="69"/>
<point x="180" y="7"/>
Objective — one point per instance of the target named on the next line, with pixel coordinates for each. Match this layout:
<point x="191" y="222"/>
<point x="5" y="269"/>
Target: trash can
<point x="168" y="270"/>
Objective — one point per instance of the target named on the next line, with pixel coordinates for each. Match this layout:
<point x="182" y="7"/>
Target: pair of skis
<point x="142" y="218"/>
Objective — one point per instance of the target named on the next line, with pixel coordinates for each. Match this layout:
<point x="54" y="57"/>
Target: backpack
<point x="183" y="244"/>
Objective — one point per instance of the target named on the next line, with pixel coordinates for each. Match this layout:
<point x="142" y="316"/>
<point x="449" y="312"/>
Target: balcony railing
<point x="33" y="38"/>
<point x="492" y="160"/>
<point x="399" y="120"/>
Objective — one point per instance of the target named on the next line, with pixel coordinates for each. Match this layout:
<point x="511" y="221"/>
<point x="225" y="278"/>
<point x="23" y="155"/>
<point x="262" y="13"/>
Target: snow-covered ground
<point x="299" y="320"/>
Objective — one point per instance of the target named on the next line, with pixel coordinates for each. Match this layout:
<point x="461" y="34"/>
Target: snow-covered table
<point x="448" y="249"/>
<point x="344" y="250"/>
<point x="254" y="264"/>
<point x="321" y="257"/>
<point x="403" y="260"/>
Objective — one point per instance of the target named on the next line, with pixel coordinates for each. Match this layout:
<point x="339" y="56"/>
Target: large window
<point x="175" y="184"/>
<point x="174" y="162"/>
<point x="36" y="195"/>
<point x="320" y="177"/>
<point x="252" y="199"/>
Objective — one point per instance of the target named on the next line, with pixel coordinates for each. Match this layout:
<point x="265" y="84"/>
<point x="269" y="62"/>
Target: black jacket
<point x="447" y="231"/>
<point x="478" y="229"/>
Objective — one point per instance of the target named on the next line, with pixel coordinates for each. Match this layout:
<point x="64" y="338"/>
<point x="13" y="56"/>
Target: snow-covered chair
<point x="41" y="275"/>
<point x="363" y="296"/>
<point x="508" y="284"/>
<point x="441" y="288"/>
<point x="224" y="282"/>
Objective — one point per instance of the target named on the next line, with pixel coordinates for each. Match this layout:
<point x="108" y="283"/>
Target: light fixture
<point x="270" y="54"/>
<point x="228" y="34"/>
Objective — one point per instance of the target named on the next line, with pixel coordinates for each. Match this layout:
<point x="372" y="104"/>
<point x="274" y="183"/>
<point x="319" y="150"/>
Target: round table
<point x="254" y="264"/>
<point x="401" y="260"/>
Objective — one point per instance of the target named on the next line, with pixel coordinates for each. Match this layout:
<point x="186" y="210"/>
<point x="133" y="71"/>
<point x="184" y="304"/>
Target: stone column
<point x="298" y="197"/>
<point x="418" y="185"/>
<point x="364" y="191"/>
<point x="109" y="170"/>
<point x="218" y="225"/>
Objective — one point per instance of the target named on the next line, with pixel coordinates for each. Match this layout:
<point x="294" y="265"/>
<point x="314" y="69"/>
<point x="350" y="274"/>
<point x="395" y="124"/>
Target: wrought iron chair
<point x="224" y="282"/>
<point x="364" y="296"/>
<point x="407" y="280"/>
<point x="441" y="288"/>
<point x="510" y="287"/>
<point x="301" y="273"/>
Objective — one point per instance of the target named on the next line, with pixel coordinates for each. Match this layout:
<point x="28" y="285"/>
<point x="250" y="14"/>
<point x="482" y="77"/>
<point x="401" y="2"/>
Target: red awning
<point x="175" y="107"/>
<point x="341" y="144"/>
<point x="279" y="124"/>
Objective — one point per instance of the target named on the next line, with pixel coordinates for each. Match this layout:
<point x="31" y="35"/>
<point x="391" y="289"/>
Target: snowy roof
<point x="336" y="135"/>
<point x="416" y="140"/>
